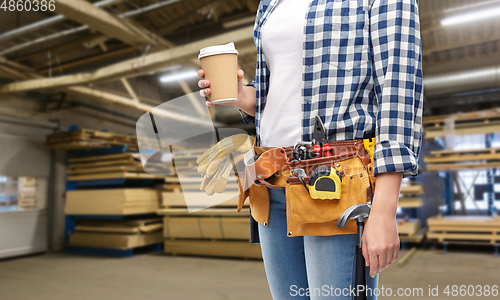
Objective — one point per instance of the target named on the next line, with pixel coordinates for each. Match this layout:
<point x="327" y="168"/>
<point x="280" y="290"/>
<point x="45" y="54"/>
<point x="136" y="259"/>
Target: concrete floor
<point x="156" y="276"/>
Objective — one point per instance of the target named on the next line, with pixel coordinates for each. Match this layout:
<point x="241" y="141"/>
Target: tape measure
<point x="325" y="183"/>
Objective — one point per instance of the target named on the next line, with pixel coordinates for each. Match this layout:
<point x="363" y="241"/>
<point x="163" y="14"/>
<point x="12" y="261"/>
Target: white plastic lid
<point x="219" y="49"/>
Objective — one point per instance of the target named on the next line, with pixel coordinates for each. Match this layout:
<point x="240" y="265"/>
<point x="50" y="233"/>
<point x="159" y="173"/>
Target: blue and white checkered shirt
<point x="362" y="71"/>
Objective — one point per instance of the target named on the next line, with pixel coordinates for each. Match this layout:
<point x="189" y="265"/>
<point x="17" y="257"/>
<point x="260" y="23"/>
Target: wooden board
<point x="113" y="162"/>
<point x="176" y="199"/>
<point x="221" y="228"/>
<point x="112" y="226"/>
<point x="212" y="212"/>
<point x="463" y="129"/>
<point x="465" y="221"/>
<point x="466" y="151"/>
<point x="114" y="241"/>
<point x="113" y="175"/>
<point x="409" y="227"/>
<point x="412" y="189"/>
<point x="416" y="238"/>
<point x="472" y="237"/>
<point x="106" y="157"/>
<point x="111" y="202"/>
<point x="462" y="166"/>
<point x="233" y="249"/>
<point x="489" y="114"/>
<point x="410" y="202"/>
<point x="114" y="169"/>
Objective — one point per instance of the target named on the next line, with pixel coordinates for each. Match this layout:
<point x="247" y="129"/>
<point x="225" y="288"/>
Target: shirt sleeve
<point x="248" y="119"/>
<point x="398" y="83"/>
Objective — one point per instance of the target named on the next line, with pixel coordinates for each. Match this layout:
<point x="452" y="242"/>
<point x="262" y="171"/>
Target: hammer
<point x="359" y="212"/>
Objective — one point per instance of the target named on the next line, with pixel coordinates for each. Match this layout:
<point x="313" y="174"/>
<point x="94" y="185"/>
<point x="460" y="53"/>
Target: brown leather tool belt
<point x="271" y="166"/>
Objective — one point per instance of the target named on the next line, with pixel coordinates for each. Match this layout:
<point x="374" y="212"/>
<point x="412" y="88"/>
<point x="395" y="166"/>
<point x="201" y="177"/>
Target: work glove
<point x="216" y="164"/>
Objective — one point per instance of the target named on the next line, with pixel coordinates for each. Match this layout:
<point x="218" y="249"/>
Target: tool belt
<point x="320" y="193"/>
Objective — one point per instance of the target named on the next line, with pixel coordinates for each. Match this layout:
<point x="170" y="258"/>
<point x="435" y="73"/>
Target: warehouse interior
<point x="81" y="217"/>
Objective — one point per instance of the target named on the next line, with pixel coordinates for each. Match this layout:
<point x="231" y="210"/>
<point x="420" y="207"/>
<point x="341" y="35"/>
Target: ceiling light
<point x="471" y="17"/>
<point x="174" y="77"/>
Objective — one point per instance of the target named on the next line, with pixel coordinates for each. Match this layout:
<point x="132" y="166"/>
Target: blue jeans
<point x="309" y="267"/>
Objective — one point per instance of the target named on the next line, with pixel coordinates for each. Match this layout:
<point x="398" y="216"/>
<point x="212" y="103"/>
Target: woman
<point x="358" y="65"/>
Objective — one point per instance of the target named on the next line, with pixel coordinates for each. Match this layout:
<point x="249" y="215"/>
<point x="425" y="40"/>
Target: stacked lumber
<point x="479" y="122"/>
<point x="117" y="234"/>
<point x="410" y="195"/>
<point x="464" y="229"/>
<point x="111" y="166"/>
<point x="410" y="230"/>
<point x="123" y="201"/>
<point x="218" y="231"/>
<point x="26" y="197"/>
<point x="463" y="159"/>
<point x="83" y="139"/>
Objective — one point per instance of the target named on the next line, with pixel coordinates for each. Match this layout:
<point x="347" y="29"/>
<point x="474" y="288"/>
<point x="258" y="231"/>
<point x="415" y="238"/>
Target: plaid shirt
<point x="362" y="71"/>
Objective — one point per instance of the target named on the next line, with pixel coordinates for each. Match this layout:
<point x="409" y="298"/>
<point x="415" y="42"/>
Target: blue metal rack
<point x="113" y="252"/>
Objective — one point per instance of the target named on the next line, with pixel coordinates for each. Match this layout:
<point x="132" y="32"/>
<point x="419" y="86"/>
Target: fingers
<point x="205" y="92"/>
<point x="201" y="73"/>
<point x="374" y="263"/>
<point x="396" y="253"/>
<point x="364" y="250"/>
<point x="203" y="83"/>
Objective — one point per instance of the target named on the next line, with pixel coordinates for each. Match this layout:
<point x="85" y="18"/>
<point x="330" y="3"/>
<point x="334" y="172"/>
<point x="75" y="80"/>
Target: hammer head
<point x="359" y="212"/>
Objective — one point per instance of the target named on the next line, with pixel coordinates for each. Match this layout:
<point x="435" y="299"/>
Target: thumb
<point x="240" y="74"/>
<point x="240" y="79"/>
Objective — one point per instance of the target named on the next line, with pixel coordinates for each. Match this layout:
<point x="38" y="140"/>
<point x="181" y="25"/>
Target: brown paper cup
<point x="221" y="70"/>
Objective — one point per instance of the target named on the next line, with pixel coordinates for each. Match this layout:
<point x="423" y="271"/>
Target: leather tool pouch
<point x="355" y="189"/>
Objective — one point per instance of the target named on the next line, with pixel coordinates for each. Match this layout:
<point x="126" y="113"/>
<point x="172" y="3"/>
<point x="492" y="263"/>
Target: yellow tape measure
<point x="369" y="147"/>
<point x="325" y="183"/>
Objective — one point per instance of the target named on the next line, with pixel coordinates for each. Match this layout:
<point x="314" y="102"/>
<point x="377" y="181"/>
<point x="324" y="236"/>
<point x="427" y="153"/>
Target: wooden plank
<point x="409" y="227"/>
<point x="491" y="113"/>
<point x="462" y="166"/>
<point x="202" y="227"/>
<point x="407" y="257"/>
<point x="114" y="241"/>
<point x="466" y="151"/>
<point x="111" y="201"/>
<point x="457" y="229"/>
<point x="212" y="212"/>
<point x="461" y="158"/>
<point x="492" y="238"/>
<point x="130" y="68"/>
<point x="241" y="249"/>
<point x="104" y="157"/>
<point x="106" y="163"/>
<point x="464" y="221"/>
<point x="463" y="129"/>
<point x="410" y="202"/>
<point x="412" y="189"/>
<point x="113" y="175"/>
<point x="416" y="238"/>
<point x="131" y="168"/>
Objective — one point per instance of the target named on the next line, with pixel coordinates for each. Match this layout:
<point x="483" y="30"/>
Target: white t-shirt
<point x="282" y="44"/>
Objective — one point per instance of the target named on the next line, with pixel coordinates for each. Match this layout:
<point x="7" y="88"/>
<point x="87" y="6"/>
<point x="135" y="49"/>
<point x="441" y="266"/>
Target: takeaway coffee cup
<point x="220" y="66"/>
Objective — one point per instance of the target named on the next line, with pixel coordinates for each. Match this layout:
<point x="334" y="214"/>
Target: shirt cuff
<point x="392" y="156"/>
<point x="248" y="119"/>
